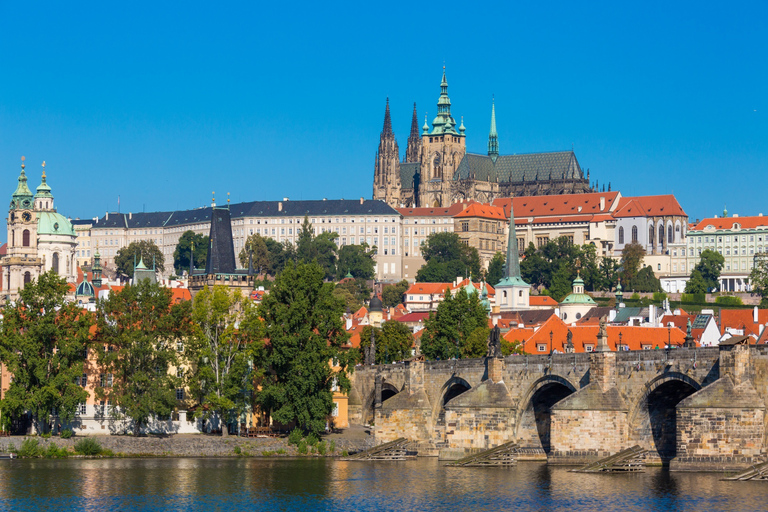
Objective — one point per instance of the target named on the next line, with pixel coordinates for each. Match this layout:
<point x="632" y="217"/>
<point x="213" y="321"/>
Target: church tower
<point x="21" y="263"/>
<point x="442" y="150"/>
<point x="413" y="150"/>
<point x="512" y="293"/>
<point x="493" y="138"/>
<point x="386" y="176"/>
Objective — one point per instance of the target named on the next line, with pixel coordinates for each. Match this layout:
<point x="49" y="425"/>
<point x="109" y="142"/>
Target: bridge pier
<point x="406" y="414"/>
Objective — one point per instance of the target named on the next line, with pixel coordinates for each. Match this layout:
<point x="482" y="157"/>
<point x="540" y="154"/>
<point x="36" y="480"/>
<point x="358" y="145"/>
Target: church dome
<point x="52" y="223"/>
<point x="85" y="289"/>
<point x="376" y="304"/>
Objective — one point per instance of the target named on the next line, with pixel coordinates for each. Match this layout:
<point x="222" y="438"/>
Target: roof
<point x="52" y="223"/>
<point x="478" y="286"/>
<point x="249" y="209"/>
<point x="624" y="314"/>
<point x="743" y="319"/>
<point x="407" y="171"/>
<point x="736" y="340"/>
<point x="556" y="165"/>
<point x="734" y="223"/>
<point x="649" y="206"/>
<point x="542" y="300"/>
<point x="428" y="288"/>
<point x="413" y="317"/>
<point x="483" y="211"/>
<point x="435" y="211"/>
<point x="578" y="298"/>
<point x="585" y="206"/>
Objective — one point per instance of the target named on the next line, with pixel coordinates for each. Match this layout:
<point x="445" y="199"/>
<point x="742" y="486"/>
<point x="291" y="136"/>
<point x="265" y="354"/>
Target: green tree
<point x="356" y="260"/>
<point x="393" y="294"/>
<point x="646" y="281"/>
<point x="710" y="265"/>
<point x="562" y="283"/>
<point x="303" y="324"/>
<point x="227" y="331"/>
<point x="534" y="267"/>
<point x="43" y="345"/>
<point x="758" y="279"/>
<point x="143" y="250"/>
<point x="350" y="301"/>
<point x="394" y="341"/>
<point x="255" y="247"/>
<point x="631" y="261"/>
<point x="184" y="249"/>
<point x="447" y="258"/>
<point x="495" y="269"/>
<point x="358" y="288"/>
<point x="325" y="250"/>
<point x="305" y="248"/>
<point x="609" y="273"/>
<point x="140" y="328"/>
<point x="446" y="332"/>
<point x="696" y="284"/>
<point x="476" y="344"/>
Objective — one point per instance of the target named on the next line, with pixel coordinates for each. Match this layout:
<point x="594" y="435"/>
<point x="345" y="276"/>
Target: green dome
<point x="579" y="298"/>
<point x="43" y="190"/>
<point x="85" y="289"/>
<point x="52" y="223"/>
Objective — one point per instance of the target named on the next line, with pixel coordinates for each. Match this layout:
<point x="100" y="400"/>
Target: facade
<point x="576" y="304"/>
<point x="483" y="227"/>
<point x="39" y="238"/>
<point x="437" y="171"/>
<point x="741" y="241"/>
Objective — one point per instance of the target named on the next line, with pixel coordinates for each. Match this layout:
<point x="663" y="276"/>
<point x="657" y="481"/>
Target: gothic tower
<point x="386" y="176"/>
<point x="442" y="150"/>
<point x="21" y="263"/>
<point x="413" y="150"/>
<point x="493" y="138"/>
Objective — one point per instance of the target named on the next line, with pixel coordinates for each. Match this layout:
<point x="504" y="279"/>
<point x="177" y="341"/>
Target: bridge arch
<point x="388" y="390"/>
<point x="652" y="415"/>
<point x="534" y="413"/>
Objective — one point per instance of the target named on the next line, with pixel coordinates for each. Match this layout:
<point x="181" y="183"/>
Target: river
<point x="326" y="484"/>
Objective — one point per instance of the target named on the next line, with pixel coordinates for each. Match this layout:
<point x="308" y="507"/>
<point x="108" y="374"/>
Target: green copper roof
<point x="85" y="289"/>
<point x="512" y="265"/>
<point x="578" y="298"/>
<point x="43" y="190"/>
<point x="22" y="197"/>
<point x="444" y="123"/>
<point x="493" y="138"/>
<point x="141" y="265"/>
<point x="512" y="281"/>
<point x="52" y="223"/>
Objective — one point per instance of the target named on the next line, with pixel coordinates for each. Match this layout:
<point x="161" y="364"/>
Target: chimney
<point x="107" y="216"/>
<point x="279" y="206"/>
<point x="362" y="200"/>
<point x="735" y="215"/>
<point x="349" y="323"/>
<point x="130" y="215"/>
<point x="602" y="203"/>
<point x="285" y="199"/>
<point x="754" y="315"/>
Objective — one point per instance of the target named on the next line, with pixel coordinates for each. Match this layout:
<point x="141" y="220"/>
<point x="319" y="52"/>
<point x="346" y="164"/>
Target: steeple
<point x="96" y="269"/>
<point x="386" y="173"/>
<point x="387" y="130"/>
<point x="512" y="265"/>
<point x="43" y="196"/>
<point x="413" y="149"/>
<point x="493" y="139"/>
<point x="512" y="293"/>
<point x="22" y="197"/>
<point x="443" y="123"/>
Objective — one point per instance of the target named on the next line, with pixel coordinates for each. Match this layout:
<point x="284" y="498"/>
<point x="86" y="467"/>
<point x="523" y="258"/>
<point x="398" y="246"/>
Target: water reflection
<point x="317" y="484"/>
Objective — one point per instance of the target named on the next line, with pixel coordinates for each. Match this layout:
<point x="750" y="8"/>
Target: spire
<point x="413" y="149"/>
<point x="425" y="128"/>
<point x="512" y="265"/>
<point x="387" y="130"/>
<point x="493" y="139"/>
<point x="22" y="197"/>
<point x="444" y="123"/>
<point x="96" y="268"/>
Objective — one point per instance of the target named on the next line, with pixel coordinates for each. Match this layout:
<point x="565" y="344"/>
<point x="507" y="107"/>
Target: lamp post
<point x="551" y="346"/>
<point x="618" y="345"/>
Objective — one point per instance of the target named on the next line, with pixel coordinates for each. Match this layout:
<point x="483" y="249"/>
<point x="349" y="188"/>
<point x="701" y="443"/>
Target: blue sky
<point x="163" y="102"/>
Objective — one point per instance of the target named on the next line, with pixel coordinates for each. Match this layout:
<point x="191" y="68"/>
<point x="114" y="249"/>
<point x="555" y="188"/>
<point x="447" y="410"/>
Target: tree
<point x="394" y="341"/>
<point x="609" y="273"/>
<point x="227" y="331"/>
<point x="646" y="281"/>
<point x="447" y="258"/>
<point x="43" y="345"/>
<point x="696" y="284"/>
<point x="358" y="288"/>
<point x="495" y="269"/>
<point x="758" y="278"/>
<point x="184" y="249"/>
<point x="255" y="248"/>
<point x="305" y="249"/>
<point x="140" y="329"/>
<point x="303" y="324"/>
<point x="321" y="248"/>
<point x="534" y="267"/>
<point x="710" y="265"/>
<point x="135" y="252"/>
<point x="476" y="344"/>
<point x="350" y="301"/>
<point x="631" y="260"/>
<point x="562" y="284"/>
<point x="393" y="294"/>
<point x="446" y="332"/>
<point x="356" y="260"/>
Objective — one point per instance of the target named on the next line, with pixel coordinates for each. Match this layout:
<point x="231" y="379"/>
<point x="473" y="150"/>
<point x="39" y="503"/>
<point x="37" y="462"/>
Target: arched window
<point x="669" y="234"/>
<point x="621" y="235"/>
<point x="55" y="262"/>
<point x="634" y="234"/>
<point x="13" y="239"/>
<point x="650" y="236"/>
<point x="27" y="277"/>
<point x="661" y="235"/>
<point x="25" y="238"/>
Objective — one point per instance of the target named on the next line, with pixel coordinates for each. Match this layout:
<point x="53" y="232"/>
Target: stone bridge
<point x="701" y="408"/>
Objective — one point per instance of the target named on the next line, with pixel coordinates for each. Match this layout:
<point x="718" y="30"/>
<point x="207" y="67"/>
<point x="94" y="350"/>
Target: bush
<point x="303" y="447"/>
<point x="332" y="447"/>
<point x="12" y="448"/>
<point x="280" y="452"/>
<point x="312" y="439"/>
<point x="67" y="433"/>
<point x="728" y="300"/>
<point x="344" y="453"/>
<point x="694" y="298"/>
<point x="321" y="447"/>
<point x="88" y="446"/>
<point x="267" y="453"/>
<point x="635" y="296"/>
<point x="54" y="452"/>
<point x="659" y="296"/>
<point x="295" y="436"/>
<point x="238" y="451"/>
<point x="30" y="448"/>
<point x="46" y="435"/>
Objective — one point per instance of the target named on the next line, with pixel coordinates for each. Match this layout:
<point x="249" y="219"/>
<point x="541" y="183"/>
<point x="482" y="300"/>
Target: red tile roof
<point x="479" y="286"/>
<point x="728" y="222"/>
<point x="743" y="319"/>
<point x="414" y="317"/>
<point x="559" y="205"/>
<point x="483" y="211"/>
<point x="648" y="206"/>
<point x="428" y="288"/>
<point x="542" y="300"/>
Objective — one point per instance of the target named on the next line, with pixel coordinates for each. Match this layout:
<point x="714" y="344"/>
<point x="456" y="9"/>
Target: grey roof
<point x="700" y="322"/>
<point x="596" y="312"/>
<point x="81" y="222"/>
<point x="407" y="171"/>
<point x="624" y="314"/>
<point x="221" y="251"/>
<point x="250" y="209"/>
<point x="558" y="165"/>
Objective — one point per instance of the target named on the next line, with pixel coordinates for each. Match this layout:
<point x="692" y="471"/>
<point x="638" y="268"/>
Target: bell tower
<point x="386" y="175"/>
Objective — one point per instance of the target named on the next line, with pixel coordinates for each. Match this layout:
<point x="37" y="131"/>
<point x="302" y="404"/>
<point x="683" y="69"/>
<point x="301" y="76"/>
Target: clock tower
<point x="21" y="263"/>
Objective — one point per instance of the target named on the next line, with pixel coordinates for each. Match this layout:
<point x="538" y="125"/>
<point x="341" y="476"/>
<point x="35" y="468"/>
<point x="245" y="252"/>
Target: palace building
<point x="437" y="170"/>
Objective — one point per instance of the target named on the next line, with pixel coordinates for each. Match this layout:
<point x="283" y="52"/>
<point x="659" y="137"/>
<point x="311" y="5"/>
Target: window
<point x="588" y="348"/>
<point x="634" y="234"/>
<point x="650" y="235"/>
<point x="661" y="235"/>
<point x="541" y="347"/>
<point x="179" y="394"/>
<point x="465" y="226"/>
<point x="25" y="238"/>
<point x="81" y="409"/>
<point x="621" y="235"/>
<point x="335" y="411"/>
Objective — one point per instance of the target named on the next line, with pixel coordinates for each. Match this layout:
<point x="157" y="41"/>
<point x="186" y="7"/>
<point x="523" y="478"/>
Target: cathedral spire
<point x="387" y="122"/>
<point x="413" y="149"/>
<point x="444" y="123"/>
<point x="493" y="138"/>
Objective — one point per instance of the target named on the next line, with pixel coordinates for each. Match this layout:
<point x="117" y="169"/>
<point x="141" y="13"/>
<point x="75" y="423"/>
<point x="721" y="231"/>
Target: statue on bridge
<point x="494" y="343"/>
<point x="370" y="351"/>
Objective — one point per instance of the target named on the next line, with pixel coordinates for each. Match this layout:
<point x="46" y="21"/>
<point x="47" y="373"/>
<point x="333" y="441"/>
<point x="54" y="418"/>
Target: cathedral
<point x="39" y="238"/>
<point x="437" y="170"/>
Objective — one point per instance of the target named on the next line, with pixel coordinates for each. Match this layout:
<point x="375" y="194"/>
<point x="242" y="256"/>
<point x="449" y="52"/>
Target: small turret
<point x="493" y="139"/>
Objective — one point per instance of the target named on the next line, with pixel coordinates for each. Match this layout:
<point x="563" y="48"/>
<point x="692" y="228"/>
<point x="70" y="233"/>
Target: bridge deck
<point x="630" y="459"/>
<point x="502" y="455"/>
<point x="394" y="450"/>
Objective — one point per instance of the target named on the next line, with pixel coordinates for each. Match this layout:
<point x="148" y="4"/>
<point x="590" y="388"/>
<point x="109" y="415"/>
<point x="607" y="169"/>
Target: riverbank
<point x="353" y="439"/>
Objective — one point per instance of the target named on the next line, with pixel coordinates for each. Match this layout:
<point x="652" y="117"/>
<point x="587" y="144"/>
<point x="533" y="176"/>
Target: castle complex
<point x="437" y="170"/>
